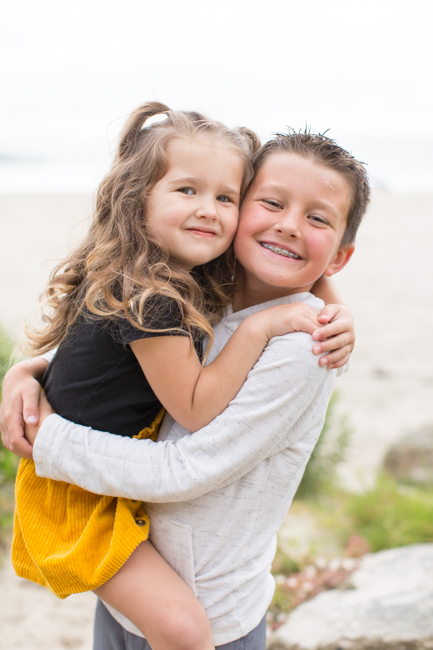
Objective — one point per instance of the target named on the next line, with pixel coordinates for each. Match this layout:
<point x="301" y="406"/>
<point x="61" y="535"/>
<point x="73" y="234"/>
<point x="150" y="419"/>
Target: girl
<point x="168" y="206"/>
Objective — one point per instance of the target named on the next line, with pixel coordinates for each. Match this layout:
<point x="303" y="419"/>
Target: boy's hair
<point x="119" y="265"/>
<point x="324" y="151"/>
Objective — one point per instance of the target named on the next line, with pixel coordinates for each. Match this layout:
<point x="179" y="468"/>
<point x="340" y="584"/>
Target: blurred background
<point x="71" y="72"/>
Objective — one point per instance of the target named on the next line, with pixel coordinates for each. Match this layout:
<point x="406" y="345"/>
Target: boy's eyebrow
<point x="193" y="179"/>
<point x="271" y="187"/>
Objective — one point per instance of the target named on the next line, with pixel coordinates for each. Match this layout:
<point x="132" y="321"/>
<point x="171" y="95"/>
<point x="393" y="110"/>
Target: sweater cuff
<point x="46" y="443"/>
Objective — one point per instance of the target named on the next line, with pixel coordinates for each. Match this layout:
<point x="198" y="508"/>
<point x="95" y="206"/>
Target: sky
<point x="70" y="72"/>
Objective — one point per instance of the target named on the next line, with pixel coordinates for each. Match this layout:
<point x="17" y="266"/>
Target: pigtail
<point x="134" y="125"/>
<point x="250" y="138"/>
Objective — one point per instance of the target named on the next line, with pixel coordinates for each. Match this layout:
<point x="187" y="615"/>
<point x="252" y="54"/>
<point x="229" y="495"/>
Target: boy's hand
<point x="31" y="430"/>
<point x="20" y="405"/>
<point x="336" y="337"/>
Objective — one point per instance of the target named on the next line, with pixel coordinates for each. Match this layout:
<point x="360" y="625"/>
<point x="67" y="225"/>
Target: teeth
<point x="280" y="251"/>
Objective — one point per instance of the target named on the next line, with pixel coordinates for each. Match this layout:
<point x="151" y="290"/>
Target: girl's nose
<point x="207" y="210"/>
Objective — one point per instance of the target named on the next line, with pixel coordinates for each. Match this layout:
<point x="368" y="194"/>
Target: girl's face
<point x="194" y="209"/>
<point x="291" y="225"/>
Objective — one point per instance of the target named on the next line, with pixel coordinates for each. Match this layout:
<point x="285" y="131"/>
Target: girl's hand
<point x="293" y="317"/>
<point x="31" y="431"/>
<point x="336" y="337"/>
<point x="20" y="404"/>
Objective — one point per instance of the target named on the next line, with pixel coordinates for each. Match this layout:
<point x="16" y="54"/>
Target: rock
<point x="410" y="460"/>
<point x="387" y="604"/>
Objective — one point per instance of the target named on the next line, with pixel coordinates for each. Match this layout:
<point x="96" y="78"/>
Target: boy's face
<point x="291" y="224"/>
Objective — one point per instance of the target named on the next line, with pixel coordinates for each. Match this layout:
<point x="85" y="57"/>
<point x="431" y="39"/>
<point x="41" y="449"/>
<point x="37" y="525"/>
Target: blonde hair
<point x="119" y="265"/>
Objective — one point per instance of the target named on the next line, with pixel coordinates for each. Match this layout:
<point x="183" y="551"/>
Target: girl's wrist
<point x="257" y="328"/>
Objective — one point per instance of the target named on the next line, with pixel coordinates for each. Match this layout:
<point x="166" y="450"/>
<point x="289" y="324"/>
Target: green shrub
<point x="320" y="473"/>
<point x="8" y="461"/>
<point x="6" y="351"/>
<point x="390" y="515"/>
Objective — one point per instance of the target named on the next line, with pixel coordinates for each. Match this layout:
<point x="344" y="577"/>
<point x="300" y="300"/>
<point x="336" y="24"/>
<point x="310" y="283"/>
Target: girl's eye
<point x="186" y="190"/>
<point x="223" y="199"/>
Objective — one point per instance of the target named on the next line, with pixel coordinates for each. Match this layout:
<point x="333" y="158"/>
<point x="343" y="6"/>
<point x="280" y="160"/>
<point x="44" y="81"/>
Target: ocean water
<point x="402" y="165"/>
<point x="52" y="175"/>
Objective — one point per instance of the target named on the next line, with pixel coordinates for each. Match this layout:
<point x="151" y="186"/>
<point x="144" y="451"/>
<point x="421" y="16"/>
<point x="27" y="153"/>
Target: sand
<point x="387" y="392"/>
<point x="32" y="618"/>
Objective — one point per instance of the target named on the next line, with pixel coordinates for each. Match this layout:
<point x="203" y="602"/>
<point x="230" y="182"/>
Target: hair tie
<point x="155" y="119"/>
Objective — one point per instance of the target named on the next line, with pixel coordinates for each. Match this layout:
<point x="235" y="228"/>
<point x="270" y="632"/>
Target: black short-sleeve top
<point x="95" y="378"/>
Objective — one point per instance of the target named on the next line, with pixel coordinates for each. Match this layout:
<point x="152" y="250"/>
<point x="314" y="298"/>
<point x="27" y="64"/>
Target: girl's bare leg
<point x="152" y="596"/>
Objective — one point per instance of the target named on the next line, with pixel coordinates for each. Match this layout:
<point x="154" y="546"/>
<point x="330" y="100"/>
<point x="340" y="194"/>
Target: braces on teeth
<point x="280" y="251"/>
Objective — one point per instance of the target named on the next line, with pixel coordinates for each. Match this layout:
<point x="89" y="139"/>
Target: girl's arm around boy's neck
<point x="326" y="289"/>
<point x="194" y="395"/>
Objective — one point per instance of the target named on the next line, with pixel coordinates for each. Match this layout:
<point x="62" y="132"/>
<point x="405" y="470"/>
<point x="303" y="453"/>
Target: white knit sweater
<point x="216" y="498"/>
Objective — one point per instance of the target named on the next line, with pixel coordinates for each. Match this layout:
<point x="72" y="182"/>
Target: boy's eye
<point x="272" y="203"/>
<point x="223" y="199"/>
<point x="318" y="219"/>
<point x="186" y="190"/>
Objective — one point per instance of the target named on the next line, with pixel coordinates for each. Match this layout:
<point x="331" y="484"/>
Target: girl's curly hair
<point x="119" y="266"/>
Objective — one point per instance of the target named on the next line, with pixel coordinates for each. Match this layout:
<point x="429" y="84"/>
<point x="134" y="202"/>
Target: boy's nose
<point x="289" y="225"/>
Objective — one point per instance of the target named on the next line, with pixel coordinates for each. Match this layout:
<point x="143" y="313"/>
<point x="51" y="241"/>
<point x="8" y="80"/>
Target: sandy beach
<point x="387" y="392"/>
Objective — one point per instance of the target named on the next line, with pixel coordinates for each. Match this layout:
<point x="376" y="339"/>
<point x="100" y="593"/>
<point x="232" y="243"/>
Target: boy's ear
<point x="340" y="260"/>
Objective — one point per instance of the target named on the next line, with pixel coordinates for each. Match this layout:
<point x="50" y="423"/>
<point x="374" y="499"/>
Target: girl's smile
<point x="292" y="222"/>
<point x="194" y="209"/>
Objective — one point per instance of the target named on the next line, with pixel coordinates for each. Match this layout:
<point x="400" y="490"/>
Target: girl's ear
<point x="340" y="260"/>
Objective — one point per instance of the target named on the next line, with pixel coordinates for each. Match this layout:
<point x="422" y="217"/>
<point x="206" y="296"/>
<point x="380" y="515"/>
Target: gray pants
<point x="110" y="635"/>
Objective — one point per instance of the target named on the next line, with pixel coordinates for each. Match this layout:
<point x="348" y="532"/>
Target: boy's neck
<point x="248" y="293"/>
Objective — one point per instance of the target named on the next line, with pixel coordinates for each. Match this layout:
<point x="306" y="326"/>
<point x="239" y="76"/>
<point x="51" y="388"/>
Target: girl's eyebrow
<point x="184" y="179"/>
<point x="181" y="180"/>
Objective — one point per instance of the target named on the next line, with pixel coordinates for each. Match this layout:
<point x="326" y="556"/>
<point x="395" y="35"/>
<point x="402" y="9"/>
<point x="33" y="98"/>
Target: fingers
<point x="332" y="329"/>
<point x="335" y="342"/>
<point x="31" y="431"/>
<point x="328" y="313"/>
<point x="23" y="448"/>
<point x="337" y="350"/>
<point x="19" y="407"/>
<point x="337" y="358"/>
<point x="30" y="399"/>
<point x="306" y="323"/>
<point x="13" y="437"/>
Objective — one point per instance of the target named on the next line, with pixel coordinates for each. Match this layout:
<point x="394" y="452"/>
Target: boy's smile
<point x="292" y="222"/>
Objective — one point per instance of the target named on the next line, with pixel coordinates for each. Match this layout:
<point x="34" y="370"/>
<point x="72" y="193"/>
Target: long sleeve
<point x="285" y="388"/>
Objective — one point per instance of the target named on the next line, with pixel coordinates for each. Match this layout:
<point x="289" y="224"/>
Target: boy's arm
<point x="20" y="403"/>
<point x="194" y="395"/>
<point x="284" y="396"/>
<point x="337" y="336"/>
